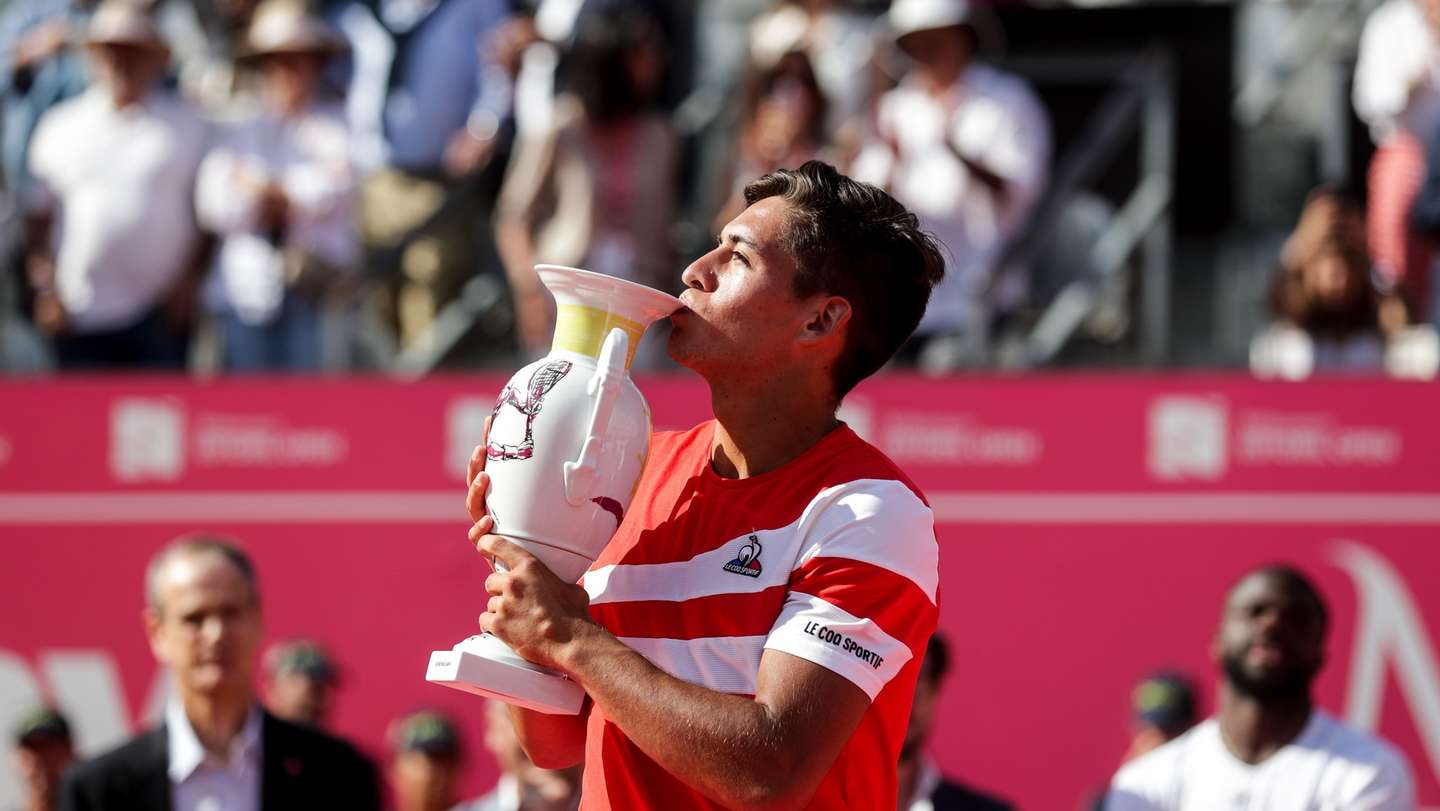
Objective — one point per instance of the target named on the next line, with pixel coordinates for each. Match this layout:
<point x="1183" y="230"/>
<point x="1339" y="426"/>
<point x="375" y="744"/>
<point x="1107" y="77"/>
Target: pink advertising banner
<point x="1089" y="527"/>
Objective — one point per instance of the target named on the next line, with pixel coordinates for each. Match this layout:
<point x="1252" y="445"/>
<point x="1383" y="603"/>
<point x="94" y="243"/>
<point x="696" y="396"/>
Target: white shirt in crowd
<point x="996" y="121"/>
<point x="1397" y="72"/>
<point x="121" y="183"/>
<point x="1329" y="767"/>
<point x="309" y="158"/>
<point x="199" y="781"/>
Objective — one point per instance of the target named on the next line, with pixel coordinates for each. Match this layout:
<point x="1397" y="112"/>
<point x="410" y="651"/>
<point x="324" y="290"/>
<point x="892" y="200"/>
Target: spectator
<point x="1328" y="315"/>
<point x="922" y="786"/>
<point x="37" y="71"/>
<point x="597" y="191"/>
<point x="1397" y="93"/>
<point x="966" y="147"/>
<point x="43" y="749"/>
<point x="216" y="749"/>
<point x="782" y="125"/>
<point x="837" y="41"/>
<point x="1268" y="744"/>
<point x="1164" y="708"/>
<point x="523" y="786"/>
<point x="426" y="769"/>
<point x="427" y="111"/>
<point x="280" y="192"/>
<point x="302" y="679"/>
<point x="114" y="253"/>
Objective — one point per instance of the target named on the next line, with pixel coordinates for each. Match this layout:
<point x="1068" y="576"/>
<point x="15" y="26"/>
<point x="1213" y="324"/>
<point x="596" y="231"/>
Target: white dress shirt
<point x="996" y="121"/>
<point x="308" y="156"/>
<point x="199" y="781"/>
<point x="121" y="182"/>
<point x="1397" y="72"/>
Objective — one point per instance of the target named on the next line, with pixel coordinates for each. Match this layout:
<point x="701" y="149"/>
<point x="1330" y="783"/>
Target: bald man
<point x="216" y="748"/>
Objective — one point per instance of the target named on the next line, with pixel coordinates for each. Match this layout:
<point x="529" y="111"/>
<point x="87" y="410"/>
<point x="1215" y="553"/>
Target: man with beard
<point x="1268" y="748"/>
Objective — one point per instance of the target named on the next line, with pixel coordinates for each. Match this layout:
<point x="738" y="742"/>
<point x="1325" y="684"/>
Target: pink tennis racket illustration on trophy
<point x="541" y="382"/>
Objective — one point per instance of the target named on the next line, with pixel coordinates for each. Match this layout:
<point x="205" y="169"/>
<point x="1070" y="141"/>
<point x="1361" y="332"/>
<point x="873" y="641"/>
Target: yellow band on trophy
<point x="583" y="329"/>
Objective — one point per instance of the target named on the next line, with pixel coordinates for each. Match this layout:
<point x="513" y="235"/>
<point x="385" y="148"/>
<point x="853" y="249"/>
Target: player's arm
<point x="771" y="751"/>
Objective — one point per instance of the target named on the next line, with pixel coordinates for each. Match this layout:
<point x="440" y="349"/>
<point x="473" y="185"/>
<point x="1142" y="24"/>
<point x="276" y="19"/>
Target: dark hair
<point x="937" y="659"/>
<point x="598" y="70"/>
<point x="195" y="545"/>
<point x="1332" y="225"/>
<point x="1294" y="580"/>
<point x="851" y="239"/>
<point x="763" y="81"/>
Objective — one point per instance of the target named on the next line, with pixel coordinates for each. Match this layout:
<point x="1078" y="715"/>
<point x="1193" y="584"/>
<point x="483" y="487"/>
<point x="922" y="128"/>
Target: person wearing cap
<point x="922" y="786"/>
<point x="1268" y="747"/>
<point x="280" y="192"/>
<point x="425" y="769"/>
<point x="301" y="680"/>
<point x="216" y="748"/>
<point x="43" y="749"/>
<point x="1163" y="709"/>
<point x="113" y="249"/>
<point x="967" y="147"/>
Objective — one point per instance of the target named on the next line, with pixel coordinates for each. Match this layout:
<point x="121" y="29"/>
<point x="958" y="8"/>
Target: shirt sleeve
<point x="1391" y="59"/>
<point x="1391" y="789"/>
<point x="862" y="597"/>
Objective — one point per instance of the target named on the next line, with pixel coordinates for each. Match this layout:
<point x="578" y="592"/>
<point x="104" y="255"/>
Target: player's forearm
<point x="730" y="748"/>
<point x="551" y="741"/>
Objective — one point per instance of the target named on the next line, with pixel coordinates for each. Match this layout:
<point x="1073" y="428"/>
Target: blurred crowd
<point x="292" y="185"/>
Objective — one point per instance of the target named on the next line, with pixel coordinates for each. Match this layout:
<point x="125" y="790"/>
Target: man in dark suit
<point x="216" y="748"/>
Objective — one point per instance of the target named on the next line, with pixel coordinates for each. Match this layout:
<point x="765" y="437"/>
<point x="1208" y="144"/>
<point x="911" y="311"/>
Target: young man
<point x="1268" y="748"/>
<point x="751" y="636"/>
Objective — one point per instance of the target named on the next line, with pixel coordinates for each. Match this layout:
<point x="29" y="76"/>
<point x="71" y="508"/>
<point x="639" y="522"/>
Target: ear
<point x="152" y="633"/>
<point x="830" y="316"/>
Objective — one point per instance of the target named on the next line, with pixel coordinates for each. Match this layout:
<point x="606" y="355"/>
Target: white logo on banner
<point x="1187" y="437"/>
<point x="464" y="429"/>
<point x="147" y="439"/>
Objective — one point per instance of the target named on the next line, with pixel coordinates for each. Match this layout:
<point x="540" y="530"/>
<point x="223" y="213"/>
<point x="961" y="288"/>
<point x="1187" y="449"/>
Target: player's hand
<point x="536" y="613"/>
<point x="477" y="484"/>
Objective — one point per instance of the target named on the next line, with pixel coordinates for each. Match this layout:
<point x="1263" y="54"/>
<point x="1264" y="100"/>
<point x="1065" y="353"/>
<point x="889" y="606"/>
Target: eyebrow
<point x="742" y="239"/>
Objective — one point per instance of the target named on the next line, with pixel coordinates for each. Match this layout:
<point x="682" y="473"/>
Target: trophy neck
<point x="589" y="305"/>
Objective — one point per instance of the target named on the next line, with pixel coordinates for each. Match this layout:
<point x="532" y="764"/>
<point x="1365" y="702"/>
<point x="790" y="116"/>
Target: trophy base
<point x="485" y="666"/>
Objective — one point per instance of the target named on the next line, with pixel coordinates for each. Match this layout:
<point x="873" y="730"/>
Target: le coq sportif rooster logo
<point x="748" y="561"/>
<point x="541" y="382"/>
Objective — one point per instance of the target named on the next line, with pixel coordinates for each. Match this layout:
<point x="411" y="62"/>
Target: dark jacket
<point x="302" y="768"/>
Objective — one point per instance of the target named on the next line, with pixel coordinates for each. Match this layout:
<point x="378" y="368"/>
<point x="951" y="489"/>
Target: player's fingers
<point x="495" y="584"/>
<point x="493" y="606"/>
<point x="504" y="551"/>
<point x="480" y="529"/>
<point x="475" y="495"/>
<point x="475" y="464"/>
<point x="487" y="623"/>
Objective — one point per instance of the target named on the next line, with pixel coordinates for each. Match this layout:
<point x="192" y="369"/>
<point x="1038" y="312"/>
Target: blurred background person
<point x="114" y="254"/>
<point x="1163" y="709"/>
<point x="922" y="787"/>
<point x="1397" y="94"/>
<point x="426" y="764"/>
<point x="596" y="191"/>
<point x="967" y="148"/>
<point x="523" y="786"/>
<point x="427" y="109"/>
<point x="43" y="750"/>
<point x="1328" y="315"/>
<point x="301" y="682"/>
<point x="38" y="69"/>
<point x="837" y="41"/>
<point x="215" y="748"/>
<point x="280" y="193"/>
<point x="782" y="124"/>
<point x="1268" y="744"/>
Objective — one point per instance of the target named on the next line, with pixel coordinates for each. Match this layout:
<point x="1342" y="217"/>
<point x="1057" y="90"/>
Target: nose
<point x="700" y="274"/>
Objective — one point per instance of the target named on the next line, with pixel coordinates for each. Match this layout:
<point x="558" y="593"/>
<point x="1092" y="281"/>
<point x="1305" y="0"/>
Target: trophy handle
<point x="582" y="474"/>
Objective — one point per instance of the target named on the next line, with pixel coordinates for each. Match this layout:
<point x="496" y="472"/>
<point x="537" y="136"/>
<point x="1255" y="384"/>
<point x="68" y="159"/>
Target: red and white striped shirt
<point x="831" y="558"/>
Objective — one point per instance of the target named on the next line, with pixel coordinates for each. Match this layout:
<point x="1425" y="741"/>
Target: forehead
<point x="200" y="577"/>
<point x="762" y="225"/>
<point x="1268" y="588"/>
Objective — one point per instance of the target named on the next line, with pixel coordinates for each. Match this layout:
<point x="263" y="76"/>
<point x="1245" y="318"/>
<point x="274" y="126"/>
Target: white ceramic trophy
<point x="568" y="440"/>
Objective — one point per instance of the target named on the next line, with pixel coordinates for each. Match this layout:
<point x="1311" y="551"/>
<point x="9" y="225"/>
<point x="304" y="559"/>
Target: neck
<point x="907" y="777"/>
<point x="216" y="719"/>
<point x="762" y="427"/>
<point x="1254" y="730"/>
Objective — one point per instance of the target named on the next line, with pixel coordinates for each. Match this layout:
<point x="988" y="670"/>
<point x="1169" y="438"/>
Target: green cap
<point x="428" y="731"/>
<point x="40" y="724"/>
<point x="304" y="657"/>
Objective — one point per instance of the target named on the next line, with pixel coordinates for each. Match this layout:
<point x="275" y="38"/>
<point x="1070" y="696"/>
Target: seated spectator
<point x="921" y="785"/>
<point x="597" y="190"/>
<point x="1268" y="743"/>
<point x="523" y="786"/>
<point x="43" y="750"/>
<point x="781" y="126"/>
<point x="302" y="678"/>
<point x="1328" y="315"/>
<point x="114" y="253"/>
<point x="425" y="771"/>
<point x="963" y="145"/>
<point x="280" y="193"/>
<point x="1397" y="94"/>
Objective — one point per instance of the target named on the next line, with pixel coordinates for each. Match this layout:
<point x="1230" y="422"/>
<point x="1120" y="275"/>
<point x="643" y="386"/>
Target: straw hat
<point x="124" y="22"/>
<point x="282" y="26"/>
